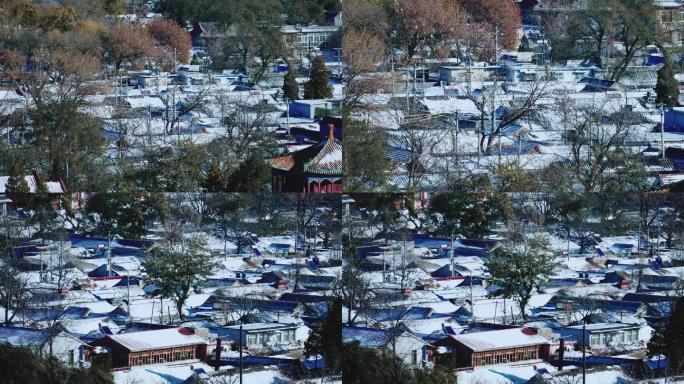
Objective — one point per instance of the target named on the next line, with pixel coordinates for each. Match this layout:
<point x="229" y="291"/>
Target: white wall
<point x="61" y="345"/>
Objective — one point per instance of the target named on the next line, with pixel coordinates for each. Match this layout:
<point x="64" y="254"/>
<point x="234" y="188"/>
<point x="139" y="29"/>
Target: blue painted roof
<point x="394" y="314"/>
<point x="56" y="313"/>
<point x="23" y="337"/>
<point x="367" y="337"/>
<point x="303" y="298"/>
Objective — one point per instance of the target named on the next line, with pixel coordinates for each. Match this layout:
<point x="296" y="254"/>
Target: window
<point x="594" y="340"/>
<point x="631" y="336"/>
<point x="71" y="356"/>
<point x="251" y="339"/>
<point x="414" y="357"/>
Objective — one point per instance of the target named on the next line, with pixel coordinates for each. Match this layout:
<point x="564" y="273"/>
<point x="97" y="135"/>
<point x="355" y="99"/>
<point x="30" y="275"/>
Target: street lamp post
<point x="584" y="350"/>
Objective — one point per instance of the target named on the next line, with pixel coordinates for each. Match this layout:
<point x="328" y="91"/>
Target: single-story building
<point x="308" y="108"/>
<point x="155" y="346"/>
<point x="48" y="342"/>
<point x="406" y="345"/>
<point x="259" y="335"/>
<point x="601" y="335"/>
<point x="496" y="347"/>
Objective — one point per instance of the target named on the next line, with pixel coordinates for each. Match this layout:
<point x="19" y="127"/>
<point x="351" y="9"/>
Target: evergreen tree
<point x="325" y="338"/>
<point x="290" y="86"/>
<point x="124" y="214"/>
<point x="178" y="270"/>
<point x="667" y="89"/>
<point x="17" y="182"/>
<point x="668" y="339"/>
<point x="365" y="163"/>
<point x="524" y="44"/>
<point x="66" y="139"/>
<point x="216" y="179"/>
<point x="250" y="176"/>
<point x="318" y="86"/>
<point x="521" y="267"/>
<point x="370" y="365"/>
<point x="457" y="214"/>
<point x="24" y="366"/>
<point x="173" y="169"/>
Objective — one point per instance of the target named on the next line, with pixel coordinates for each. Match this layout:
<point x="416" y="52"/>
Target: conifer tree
<point x="667" y="89"/>
<point x="290" y="86"/>
<point x="17" y="182"/>
<point x="216" y="179"/>
<point x="524" y="44"/>
<point x="668" y="339"/>
<point x="318" y="86"/>
<point x="250" y="176"/>
<point x="325" y="338"/>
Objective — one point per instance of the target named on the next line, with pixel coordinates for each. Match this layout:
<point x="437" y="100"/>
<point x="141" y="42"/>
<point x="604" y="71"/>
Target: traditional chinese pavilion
<point x="317" y="168"/>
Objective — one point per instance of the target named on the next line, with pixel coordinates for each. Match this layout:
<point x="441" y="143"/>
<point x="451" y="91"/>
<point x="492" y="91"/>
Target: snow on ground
<point x="179" y="373"/>
<point x="512" y="374"/>
<point x="265" y="242"/>
<point x="577" y="263"/>
<point x="159" y="374"/>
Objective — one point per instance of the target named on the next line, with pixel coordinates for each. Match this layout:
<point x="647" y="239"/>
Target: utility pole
<point x="453" y="272"/>
<point x="241" y="365"/>
<point x="128" y="292"/>
<point x="584" y="350"/>
<point x="496" y="69"/>
<point x="471" y="293"/>
<point x="392" y="72"/>
<point x="458" y="172"/>
<point x="148" y="124"/>
<point x="408" y="106"/>
<point x="287" y="111"/>
<point x="109" y="255"/>
<point x="174" y="96"/>
<point x="415" y="83"/>
<point x="61" y="258"/>
<point x="496" y="45"/>
<point x="662" y="132"/>
<point x="494" y="118"/>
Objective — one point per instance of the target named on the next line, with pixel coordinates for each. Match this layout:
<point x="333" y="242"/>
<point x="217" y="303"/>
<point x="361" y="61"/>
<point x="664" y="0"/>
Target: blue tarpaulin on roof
<point x="655" y="59"/>
<point x="425" y="241"/>
<point x="119" y="247"/>
<point x="279" y="246"/>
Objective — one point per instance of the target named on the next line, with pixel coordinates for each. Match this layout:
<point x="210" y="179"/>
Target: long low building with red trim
<point x="495" y="347"/>
<point x="155" y="346"/>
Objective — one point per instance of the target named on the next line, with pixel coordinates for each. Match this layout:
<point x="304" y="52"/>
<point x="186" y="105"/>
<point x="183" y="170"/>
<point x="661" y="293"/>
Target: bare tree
<point x="598" y="146"/>
<point x="516" y="109"/>
<point x="422" y="143"/>
<point x="246" y="124"/>
<point x="179" y="105"/>
<point x="230" y="212"/>
<point x="15" y="290"/>
<point x="355" y="290"/>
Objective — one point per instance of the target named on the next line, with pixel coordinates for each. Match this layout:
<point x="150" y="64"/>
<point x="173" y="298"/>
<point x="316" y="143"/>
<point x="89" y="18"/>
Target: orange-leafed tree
<point x="127" y="44"/>
<point x="503" y="14"/>
<point x="170" y="38"/>
<point x="428" y="27"/>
